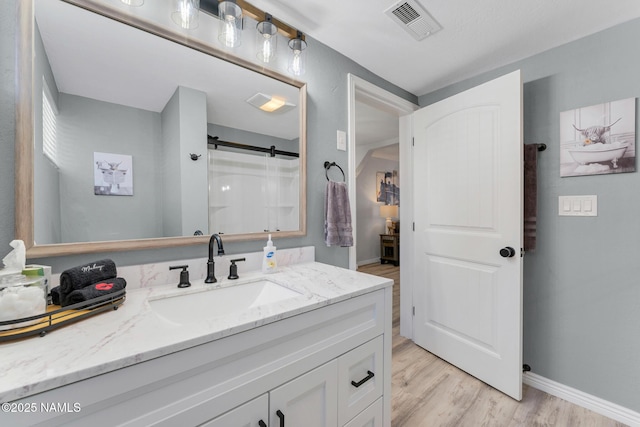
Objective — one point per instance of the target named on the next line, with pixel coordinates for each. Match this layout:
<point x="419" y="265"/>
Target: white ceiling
<point x="99" y="58"/>
<point x="477" y="35"/>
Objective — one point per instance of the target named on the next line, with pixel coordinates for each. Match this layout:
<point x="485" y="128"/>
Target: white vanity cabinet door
<point x="309" y="400"/>
<point x="363" y="366"/>
<point x="370" y="417"/>
<point x="248" y="415"/>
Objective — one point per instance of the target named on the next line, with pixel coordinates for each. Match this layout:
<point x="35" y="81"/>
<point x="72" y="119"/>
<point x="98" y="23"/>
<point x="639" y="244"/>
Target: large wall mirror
<point x="134" y="136"/>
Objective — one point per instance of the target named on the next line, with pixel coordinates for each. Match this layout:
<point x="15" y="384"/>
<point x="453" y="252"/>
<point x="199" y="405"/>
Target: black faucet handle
<point x="233" y="269"/>
<point x="184" y="275"/>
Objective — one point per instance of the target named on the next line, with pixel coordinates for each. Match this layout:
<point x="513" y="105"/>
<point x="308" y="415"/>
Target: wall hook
<point x="195" y="157"/>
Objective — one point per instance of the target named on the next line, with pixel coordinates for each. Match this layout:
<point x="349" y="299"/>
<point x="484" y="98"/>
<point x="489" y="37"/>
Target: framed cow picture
<point x="598" y="139"/>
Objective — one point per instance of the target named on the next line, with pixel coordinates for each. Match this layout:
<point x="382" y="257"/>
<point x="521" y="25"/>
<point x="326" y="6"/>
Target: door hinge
<point x="521" y="252"/>
<point x="414" y="226"/>
<point x="413" y="142"/>
<point x="414" y="310"/>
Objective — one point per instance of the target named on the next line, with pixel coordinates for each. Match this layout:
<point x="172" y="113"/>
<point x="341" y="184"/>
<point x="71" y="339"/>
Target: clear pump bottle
<point x="269" y="261"/>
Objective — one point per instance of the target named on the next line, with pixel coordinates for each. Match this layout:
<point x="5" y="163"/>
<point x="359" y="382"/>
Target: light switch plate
<point x="578" y="205"/>
<point x="342" y="140"/>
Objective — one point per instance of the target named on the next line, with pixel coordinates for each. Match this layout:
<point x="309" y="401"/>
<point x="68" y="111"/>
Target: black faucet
<point x="211" y="277"/>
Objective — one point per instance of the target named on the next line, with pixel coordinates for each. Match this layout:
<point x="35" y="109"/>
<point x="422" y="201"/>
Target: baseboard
<point x="595" y="404"/>
<point x="368" y="261"/>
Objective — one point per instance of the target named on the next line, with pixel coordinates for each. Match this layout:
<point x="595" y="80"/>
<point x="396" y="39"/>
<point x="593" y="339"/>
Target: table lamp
<point x="388" y="212"/>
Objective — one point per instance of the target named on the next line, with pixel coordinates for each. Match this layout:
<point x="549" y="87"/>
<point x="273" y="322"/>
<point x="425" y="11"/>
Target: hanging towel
<point x="530" y="195"/>
<point x="85" y="275"/>
<point x="337" y="215"/>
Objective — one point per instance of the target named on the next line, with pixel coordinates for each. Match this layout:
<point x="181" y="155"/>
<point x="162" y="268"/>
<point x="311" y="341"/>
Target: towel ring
<point x="327" y="166"/>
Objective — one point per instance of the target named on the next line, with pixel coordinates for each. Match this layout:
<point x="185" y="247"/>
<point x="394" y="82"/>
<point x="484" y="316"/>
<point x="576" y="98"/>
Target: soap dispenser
<point x="269" y="262"/>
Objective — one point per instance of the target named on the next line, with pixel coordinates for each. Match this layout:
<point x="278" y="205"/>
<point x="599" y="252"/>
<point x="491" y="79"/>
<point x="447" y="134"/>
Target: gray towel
<point x="337" y="215"/>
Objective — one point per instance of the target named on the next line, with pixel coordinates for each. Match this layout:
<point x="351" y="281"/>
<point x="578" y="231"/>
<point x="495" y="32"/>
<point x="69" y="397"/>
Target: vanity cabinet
<point x="248" y="415"/>
<point x="306" y="366"/>
<point x="332" y="394"/>
<point x="309" y="401"/>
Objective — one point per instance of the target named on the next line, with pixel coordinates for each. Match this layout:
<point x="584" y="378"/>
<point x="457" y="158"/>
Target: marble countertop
<point x="136" y="333"/>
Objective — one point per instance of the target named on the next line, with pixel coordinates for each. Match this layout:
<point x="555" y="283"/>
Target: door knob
<point x="507" y="252"/>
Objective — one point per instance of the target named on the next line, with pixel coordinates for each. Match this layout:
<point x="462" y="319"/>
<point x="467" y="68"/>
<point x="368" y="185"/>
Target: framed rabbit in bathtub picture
<point x="598" y="139"/>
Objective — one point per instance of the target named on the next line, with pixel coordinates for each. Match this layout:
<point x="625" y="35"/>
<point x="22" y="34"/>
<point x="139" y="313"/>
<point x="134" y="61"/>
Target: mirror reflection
<point x="132" y="138"/>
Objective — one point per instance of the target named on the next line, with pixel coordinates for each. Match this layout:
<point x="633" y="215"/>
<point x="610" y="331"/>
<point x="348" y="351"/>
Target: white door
<point x="468" y="213"/>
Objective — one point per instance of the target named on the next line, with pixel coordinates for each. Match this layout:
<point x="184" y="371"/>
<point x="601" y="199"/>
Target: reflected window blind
<point x="49" y="137"/>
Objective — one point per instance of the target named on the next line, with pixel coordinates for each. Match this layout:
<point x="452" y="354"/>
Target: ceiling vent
<point x="414" y="19"/>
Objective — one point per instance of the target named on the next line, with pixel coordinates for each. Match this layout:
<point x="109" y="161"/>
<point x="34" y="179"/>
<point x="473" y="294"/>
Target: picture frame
<point x="388" y="187"/>
<point x="113" y="174"/>
<point x="598" y="139"/>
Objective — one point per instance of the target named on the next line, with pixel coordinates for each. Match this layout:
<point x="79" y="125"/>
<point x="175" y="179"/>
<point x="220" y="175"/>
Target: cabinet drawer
<point x="360" y="379"/>
<point x="370" y="417"/>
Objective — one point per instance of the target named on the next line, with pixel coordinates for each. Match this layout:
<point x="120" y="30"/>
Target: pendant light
<point x="298" y="55"/>
<point x="230" y="15"/>
<point x="266" y="39"/>
<point x="185" y="13"/>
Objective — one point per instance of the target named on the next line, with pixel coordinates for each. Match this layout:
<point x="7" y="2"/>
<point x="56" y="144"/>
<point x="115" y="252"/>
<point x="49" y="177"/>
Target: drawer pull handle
<point x="262" y="423"/>
<point x="364" y="380"/>
<point x="281" y="416"/>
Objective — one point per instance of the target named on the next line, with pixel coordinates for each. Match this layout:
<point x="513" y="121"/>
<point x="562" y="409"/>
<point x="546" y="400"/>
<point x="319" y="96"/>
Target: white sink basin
<point x="216" y="303"/>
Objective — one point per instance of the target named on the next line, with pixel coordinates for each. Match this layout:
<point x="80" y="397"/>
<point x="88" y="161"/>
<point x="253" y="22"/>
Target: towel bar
<point x="327" y="166"/>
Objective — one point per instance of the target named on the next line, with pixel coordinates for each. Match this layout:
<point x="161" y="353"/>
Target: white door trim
<point x="361" y="89"/>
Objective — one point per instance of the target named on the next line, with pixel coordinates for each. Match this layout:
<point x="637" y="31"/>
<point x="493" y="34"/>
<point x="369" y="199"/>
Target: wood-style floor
<point x="427" y="391"/>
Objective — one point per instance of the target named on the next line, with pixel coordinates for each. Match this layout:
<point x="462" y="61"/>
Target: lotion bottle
<point x="269" y="262"/>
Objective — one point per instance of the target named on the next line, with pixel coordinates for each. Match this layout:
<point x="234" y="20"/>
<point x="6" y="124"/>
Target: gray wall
<point x="171" y="194"/>
<point x="369" y="222"/>
<point x="194" y="176"/>
<point x="581" y="285"/>
<point x="88" y="126"/>
<point x="7" y="123"/>
<point x="185" y="182"/>
<point x="326" y="76"/>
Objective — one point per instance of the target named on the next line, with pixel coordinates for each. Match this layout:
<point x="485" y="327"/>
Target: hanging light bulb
<point x="230" y="15"/>
<point x="267" y="41"/>
<point x="133" y="2"/>
<point x="186" y="13"/>
<point x="298" y="55"/>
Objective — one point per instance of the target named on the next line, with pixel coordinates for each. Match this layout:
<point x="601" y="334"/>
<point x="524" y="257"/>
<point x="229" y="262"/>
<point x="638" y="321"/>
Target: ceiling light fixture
<point x="271" y="103"/>
<point x="267" y="41"/>
<point x="185" y="13"/>
<point x="297" y="61"/>
<point x="230" y="15"/>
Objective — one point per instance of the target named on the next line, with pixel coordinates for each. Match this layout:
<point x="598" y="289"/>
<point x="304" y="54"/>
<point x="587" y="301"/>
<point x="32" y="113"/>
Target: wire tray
<point x="57" y="317"/>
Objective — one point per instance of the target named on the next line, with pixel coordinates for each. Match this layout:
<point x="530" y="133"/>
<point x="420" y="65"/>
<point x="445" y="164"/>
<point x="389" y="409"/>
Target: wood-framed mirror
<point x="141" y="115"/>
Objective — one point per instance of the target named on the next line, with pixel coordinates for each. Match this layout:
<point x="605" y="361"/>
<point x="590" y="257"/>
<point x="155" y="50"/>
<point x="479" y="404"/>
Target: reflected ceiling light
<point x="270" y="104"/>
<point x="297" y="61"/>
<point x="185" y="13"/>
<point x="133" y="2"/>
<point x="267" y="41"/>
<point x="230" y="15"/>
